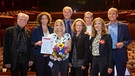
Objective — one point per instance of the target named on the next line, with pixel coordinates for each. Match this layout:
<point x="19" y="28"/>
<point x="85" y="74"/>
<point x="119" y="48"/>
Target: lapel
<point x="14" y="32"/>
<point x="119" y="31"/>
<point x="41" y="31"/>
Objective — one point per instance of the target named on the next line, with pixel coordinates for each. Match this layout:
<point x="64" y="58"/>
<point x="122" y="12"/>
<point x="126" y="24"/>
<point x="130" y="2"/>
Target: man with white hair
<point x="17" y="51"/>
<point x="67" y="13"/>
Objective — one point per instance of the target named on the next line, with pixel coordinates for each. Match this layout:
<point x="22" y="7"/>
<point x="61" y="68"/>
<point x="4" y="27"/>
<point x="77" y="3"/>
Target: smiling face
<point x="22" y="20"/>
<point x="88" y="17"/>
<point x="44" y="20"/>
<point x="59" y="27"/>
<point x="78" y="26"/>
<point x="67" y="13"/>
<point x="98" y="26"/>
<point x="112" y="14"/>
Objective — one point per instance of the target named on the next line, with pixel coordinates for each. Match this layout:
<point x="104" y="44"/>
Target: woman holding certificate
<point x="43" y="30"/>
<point x="62" y="45"/>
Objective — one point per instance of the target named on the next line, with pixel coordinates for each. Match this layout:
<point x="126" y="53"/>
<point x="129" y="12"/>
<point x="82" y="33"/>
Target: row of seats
<point x="123" y="14"/>
<point x="131" y="56"/>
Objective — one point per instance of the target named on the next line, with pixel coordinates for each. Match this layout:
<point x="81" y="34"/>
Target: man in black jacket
<point x="17" y="54"/>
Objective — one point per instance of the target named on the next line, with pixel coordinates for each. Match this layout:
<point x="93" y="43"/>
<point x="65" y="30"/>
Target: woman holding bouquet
<point x="62" y="47"/>
<point x="80" y="48"/>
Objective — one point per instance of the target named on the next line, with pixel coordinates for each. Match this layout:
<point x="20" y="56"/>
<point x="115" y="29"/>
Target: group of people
<point x="90" y="44"/>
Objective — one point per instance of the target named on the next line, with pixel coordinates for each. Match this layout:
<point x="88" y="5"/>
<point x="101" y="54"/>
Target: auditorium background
<point x="10" y="8"/>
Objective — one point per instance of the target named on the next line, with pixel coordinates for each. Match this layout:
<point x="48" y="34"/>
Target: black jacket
<point x="105" y="50"/>
<point x="10" y="46"/>
<point x="82" y="48"/>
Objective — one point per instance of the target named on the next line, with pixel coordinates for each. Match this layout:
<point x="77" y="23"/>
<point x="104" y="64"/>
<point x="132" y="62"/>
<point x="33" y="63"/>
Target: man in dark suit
<point x="121" y="39"/>
<point x="67" y="13"/>
<point x="17" y="54"/>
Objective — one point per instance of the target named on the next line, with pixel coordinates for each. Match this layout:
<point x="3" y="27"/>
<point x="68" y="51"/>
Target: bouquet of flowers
<point x="59" y="51"/>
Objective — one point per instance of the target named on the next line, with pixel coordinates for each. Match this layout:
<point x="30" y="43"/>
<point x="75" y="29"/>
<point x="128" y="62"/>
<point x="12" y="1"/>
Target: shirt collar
<point x="115" y="24"/>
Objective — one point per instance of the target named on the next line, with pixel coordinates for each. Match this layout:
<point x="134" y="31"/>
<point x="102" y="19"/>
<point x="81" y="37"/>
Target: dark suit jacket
<point x="82" y="48"/>
<point x="123" y="36"/>
<point x="36" y="36"/>
<point x="105" y="50"/>
<point x="67" y="27"/>
<point x="10" y="46"/>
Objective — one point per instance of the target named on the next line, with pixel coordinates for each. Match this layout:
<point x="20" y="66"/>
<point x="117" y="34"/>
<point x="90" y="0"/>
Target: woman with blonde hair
<point x="62" y="47"/>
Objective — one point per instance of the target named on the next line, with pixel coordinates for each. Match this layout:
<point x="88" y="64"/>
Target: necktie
<point x="69" y="27"/>
<point x="21" y="42"/>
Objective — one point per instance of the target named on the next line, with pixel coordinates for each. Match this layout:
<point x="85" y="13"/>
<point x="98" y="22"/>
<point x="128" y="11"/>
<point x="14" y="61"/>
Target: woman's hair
<point x="61" y="22"/>
<point x="104" y="29"/>
<point x="40" y="16"/>
<point x="74" y="24"/>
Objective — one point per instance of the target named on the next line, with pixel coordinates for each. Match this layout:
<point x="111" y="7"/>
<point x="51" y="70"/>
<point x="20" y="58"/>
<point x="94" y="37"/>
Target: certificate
<point x="47" y="45"/>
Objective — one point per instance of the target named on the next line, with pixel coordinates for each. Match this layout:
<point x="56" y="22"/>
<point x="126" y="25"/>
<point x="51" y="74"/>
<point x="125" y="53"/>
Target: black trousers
<point x="86" y="70"/>
<point x="41" y="65"/>
<point x="98" y="66"/>
<point x="77" y="71"/>
<point x="21" y="67"/>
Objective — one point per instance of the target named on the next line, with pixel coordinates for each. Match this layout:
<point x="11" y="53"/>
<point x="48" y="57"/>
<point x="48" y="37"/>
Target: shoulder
<point x="122" y="24"/>
<point x="67" y="35"/>
<point x="37" y="27"/>
<point x="85" y="35"/>
<point x="27" y="30"/>
<point x="106" y="36"/>
<point x="72" y="20"/>
<point x="10" y="28"/>
<point x="52" y="34"/>
<point x="49" y="27"/>
<point x="108" y="24"/>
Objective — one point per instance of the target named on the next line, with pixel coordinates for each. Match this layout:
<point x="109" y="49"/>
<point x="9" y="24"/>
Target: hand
<point x="55" y="57"/>
<point x="110" y="70"/>
<point x="70" y="65"/>
<point x="38" y="43"/>
<point x="30" y="63"/>
<point x="66" y="51"/>
<point x="119" y="45"/>
<point x="86" y="33"/>
<point x="83" y="67"/>
<point x="8" y="65"/>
